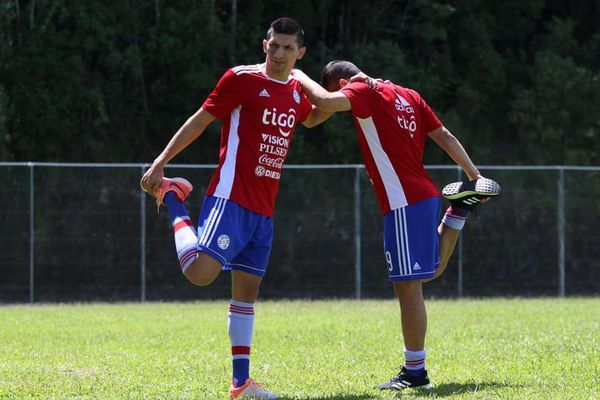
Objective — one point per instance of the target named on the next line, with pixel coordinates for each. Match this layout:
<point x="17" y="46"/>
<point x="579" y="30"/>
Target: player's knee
<point x="407" y="287"/>
<point x="201" y="275"/>
<point x="200" y="280"/>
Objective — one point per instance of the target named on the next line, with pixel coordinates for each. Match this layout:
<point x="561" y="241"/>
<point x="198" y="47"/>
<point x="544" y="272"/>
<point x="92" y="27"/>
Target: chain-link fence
<point x="77" y="232"/>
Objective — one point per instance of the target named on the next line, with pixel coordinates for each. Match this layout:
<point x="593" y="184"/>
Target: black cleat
<point x="468" y="195"/>
<point x="405" y="380"/>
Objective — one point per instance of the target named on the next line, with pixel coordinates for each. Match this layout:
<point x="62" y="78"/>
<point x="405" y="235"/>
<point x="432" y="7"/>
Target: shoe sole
<point x="483" y="187"/>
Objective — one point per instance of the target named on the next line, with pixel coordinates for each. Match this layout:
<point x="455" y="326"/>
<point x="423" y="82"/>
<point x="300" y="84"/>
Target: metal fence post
<point x="142" y="242"/>
<point x="561" y="232"/>
<point x="31" y="234"/>
<point x="460" y="251"/>
<point x="357" y="234"/>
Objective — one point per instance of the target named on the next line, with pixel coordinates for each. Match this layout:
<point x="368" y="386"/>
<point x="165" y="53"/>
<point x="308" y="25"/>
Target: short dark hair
<point x="336" y="70"/>
<point x="287" y="26"/>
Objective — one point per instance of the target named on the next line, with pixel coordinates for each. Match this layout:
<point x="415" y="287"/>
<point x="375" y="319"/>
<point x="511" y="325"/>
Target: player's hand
<point x="362" y="77"/>
<point x="151" y="180"/>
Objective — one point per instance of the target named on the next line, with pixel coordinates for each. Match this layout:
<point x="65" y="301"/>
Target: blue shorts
<point x="411" y="240"/>
<point x="237" y="237"/>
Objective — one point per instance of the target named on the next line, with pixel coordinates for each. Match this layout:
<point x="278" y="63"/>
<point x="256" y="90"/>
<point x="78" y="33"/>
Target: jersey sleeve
<point x="305" y="108"/>
<point x="226" y="96"/>
<point x="430" y="120"/>
<point x="360" y="99"/>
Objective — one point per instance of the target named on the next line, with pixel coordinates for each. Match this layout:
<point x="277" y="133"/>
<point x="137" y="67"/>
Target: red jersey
<point x="258" y="116"/>
<point x="392" y="124"/>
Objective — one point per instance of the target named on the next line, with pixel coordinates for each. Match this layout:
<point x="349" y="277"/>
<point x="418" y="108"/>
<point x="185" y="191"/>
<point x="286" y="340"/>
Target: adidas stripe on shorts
<point x="411" y="240"/>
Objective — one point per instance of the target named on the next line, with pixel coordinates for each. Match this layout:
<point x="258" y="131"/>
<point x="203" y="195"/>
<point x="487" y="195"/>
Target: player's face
<point x="282" y="52"/>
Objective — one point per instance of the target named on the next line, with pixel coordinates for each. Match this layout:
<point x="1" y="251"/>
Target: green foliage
<point x="516" y="81"/>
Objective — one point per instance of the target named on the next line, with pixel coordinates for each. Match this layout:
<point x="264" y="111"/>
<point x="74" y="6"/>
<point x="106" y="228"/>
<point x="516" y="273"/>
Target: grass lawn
<point x="477" y="349"/>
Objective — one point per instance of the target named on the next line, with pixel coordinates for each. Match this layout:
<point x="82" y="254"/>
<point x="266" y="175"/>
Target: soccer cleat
<point x="405" y="380"/>
<point x="180" y="186"/>
<point x="250" y="390"/>
<point x="469" y="194"/>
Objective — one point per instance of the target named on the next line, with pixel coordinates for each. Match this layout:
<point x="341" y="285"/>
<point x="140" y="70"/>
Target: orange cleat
<point x="250" y="390"/>
<point x="180" y="186"/>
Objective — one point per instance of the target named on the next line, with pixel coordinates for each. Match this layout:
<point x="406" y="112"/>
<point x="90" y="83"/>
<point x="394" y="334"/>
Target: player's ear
<point x="343" y="82"/>
<point x="265" y="45"/>
<point x="301" y="52"/>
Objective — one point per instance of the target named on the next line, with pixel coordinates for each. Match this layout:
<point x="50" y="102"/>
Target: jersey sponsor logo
<point x="264" y="93"/>
<point x="405" y="122"/>
<point x="408" y="124"/>
<point x="284" y="121"/>
<point x="270" y="149"/>
<point x="262" y="171"/>
<point x="276" y="140"/>
<point x="274" y="162"/>
<point x="273" y="174"/>
<point x="223" y="242"/>
<point x="296" y="96"/>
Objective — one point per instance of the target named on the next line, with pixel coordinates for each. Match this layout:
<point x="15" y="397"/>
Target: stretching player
<point x="259" y="106"/>
<point x="393" y="123"/>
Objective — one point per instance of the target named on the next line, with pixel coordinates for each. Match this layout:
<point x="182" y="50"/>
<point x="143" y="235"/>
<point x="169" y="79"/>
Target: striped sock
<point x="455" y="217"/>
<point x="241" y="325"/>
<point x="414" y="361"/>
<point x="186" y="239"/>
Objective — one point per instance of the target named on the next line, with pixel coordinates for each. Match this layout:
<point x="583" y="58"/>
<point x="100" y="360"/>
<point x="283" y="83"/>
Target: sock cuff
<point x="413" y="355"/>
<point x="240" y="303"/>
<point x="240" y="309"/>
<point x="453" y="222"/>
<point x="414" y="360"/>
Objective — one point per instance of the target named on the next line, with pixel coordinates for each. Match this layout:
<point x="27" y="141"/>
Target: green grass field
<point x="477" y="349"/>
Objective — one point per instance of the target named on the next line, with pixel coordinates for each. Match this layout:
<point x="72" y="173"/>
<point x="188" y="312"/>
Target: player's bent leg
<point x="448" y="239"/>
<point x="203" y="270"/>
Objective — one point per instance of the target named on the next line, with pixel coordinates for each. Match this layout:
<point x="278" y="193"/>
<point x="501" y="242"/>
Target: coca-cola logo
<point x="275" y="162"/>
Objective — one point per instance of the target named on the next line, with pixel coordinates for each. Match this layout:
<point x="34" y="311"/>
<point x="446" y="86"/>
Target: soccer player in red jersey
<point x="259" y="107"/>
<point x="393" y="123"/>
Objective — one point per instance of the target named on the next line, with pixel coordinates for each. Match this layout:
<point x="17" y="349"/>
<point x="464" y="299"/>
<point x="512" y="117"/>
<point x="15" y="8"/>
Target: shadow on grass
<point x="450" y="389"/>
<point x="438" y="391"/>
<point x="335" y="397"/>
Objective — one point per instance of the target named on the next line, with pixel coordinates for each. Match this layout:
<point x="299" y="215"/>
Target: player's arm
<point x="450" y="144"/>
<point x="325" y="101"/>
<point x="189" y="131"/>
<point x="316" y="117"/>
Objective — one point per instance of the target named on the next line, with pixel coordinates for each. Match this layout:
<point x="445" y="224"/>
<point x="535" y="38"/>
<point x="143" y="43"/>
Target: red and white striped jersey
<point x="392" y="124"/>
<point x="258" y="116"/>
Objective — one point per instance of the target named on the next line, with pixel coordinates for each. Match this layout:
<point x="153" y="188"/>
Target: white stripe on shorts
<point x="402" y="242"/>
<point x="405" y="228"/>
<point x="211" y="222"/>
<point x="221" y="212"/>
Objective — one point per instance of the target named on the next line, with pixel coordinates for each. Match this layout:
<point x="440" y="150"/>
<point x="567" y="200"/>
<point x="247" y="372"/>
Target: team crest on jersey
<point x="223" y="242"/>
<point x="296" y="96"/>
